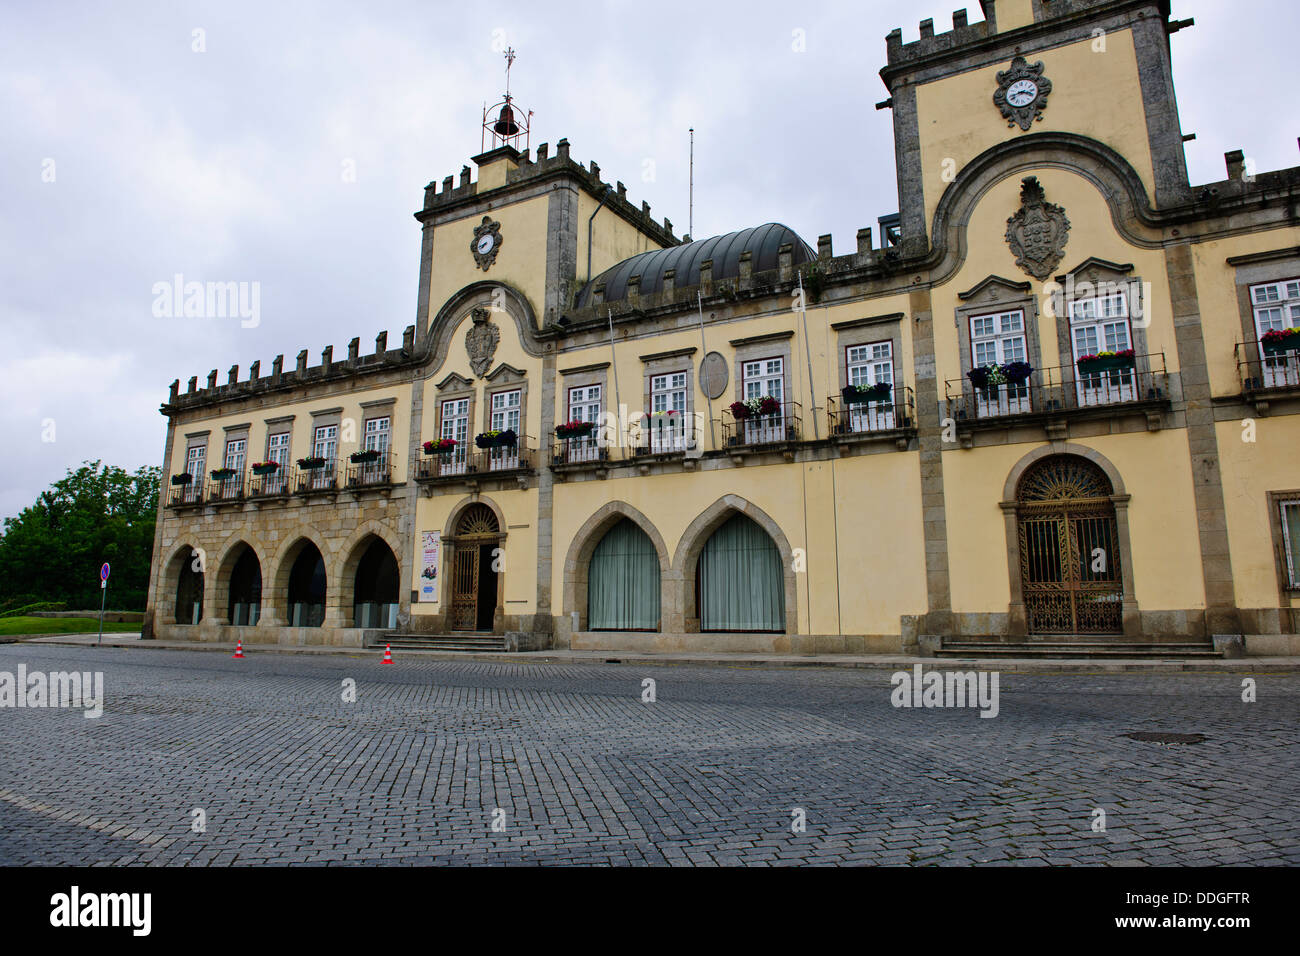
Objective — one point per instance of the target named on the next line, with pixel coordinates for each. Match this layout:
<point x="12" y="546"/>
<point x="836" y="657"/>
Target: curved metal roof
<point x="761" y="241"/>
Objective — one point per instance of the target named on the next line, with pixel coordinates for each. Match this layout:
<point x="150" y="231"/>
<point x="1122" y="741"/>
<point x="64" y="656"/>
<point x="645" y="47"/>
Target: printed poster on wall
<point x="429" y="567"/>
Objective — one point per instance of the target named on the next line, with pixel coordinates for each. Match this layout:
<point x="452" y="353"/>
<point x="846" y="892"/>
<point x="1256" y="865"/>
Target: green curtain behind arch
<point x="623" y="581"/>
<point x="742" y="587"/>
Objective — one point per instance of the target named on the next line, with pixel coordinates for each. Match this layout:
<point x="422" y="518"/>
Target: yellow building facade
<point x="1053" y="410"/>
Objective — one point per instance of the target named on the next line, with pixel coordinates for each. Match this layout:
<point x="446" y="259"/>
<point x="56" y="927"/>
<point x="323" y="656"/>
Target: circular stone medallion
<point x="713" y="374"/>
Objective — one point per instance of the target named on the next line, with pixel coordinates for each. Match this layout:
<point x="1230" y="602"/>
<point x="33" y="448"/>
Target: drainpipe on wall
<point x="603" y="196"/>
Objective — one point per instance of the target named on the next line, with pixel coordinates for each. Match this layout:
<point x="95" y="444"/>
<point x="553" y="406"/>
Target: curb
<point x="1270" y="665"/>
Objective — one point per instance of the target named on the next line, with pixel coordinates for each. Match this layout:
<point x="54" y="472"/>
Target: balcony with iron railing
<point x="226" y="490"/>
<point x="371" y="472"/>
<point x="890" y="418"/>
<point x="591" y="452"/>
<point x="321" y="479"/>
<point x="273" y="484"/>
<point x="1267" y="369"/>
<point x="470" y="465"/>
<point x="1051" y="395"/>
<point x="753" y="432"/>
<point x="186" y="495"/>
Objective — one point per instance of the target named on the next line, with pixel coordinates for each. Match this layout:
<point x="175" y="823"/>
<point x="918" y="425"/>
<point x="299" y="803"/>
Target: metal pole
<point x="103" y="596"/>
<point x="613" y="361"/>
<point x="690" y="204"/>
<point x="699" y="304"/>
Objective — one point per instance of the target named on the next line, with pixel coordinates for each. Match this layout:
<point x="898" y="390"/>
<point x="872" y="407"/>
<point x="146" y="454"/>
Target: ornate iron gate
<point x="1069" y="549"/>
<point x="477" y="526"/>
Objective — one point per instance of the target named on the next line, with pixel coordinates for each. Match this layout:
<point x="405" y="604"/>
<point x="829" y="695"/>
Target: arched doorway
<point x="623" y="581"/>
<point x="1069" y="548"/>
<point x="376" y="587"/>
<point x="245" y="604"/>
<point x="739" y="584"/>
<point x="475" y="578"/>
<point x="307" y="588"/>
<point x="189" y="590"/>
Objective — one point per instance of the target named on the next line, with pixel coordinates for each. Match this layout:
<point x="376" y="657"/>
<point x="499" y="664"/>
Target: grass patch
<point x="62" y="625"/>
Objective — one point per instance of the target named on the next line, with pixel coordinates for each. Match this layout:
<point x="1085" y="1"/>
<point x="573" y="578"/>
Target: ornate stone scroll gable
<point x="1025" y="115"/>
<point x="1037" y="233"/>
<point x="485" y="256"/>
<point x="481" y="341"/>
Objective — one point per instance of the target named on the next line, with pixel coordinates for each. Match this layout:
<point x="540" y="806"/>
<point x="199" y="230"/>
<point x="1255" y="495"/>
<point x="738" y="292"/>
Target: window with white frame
<point x="235" y="449"/>
<point x="1100" y="324"/>
<point x="1276" y="305"/>
<point x="195" y="459"/>
<point x="326" y="443"/>
<point x="870" y="364"/>
<point x="505" y="410"/>
<point x="376" y="438"/>
<point x="455" y="421"/>
<point x="584" y="404"/>
<point x="1289" y="512"/>
<point x="667" y="419"/>
<point x="764" y="377"/>
<point x="277" y="449"/>
<point x="998" y="338"/>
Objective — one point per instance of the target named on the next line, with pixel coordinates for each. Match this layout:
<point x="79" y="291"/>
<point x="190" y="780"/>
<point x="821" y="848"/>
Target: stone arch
<point x="1110" y="173"/>
<point x="1017" y="623"/>
<point x="354" y="548"/>
<point x="578" y="559"/>
<point x="697" y="534"/>
<point x="181" y="554"/>
<point x="275" y="583"/>
<point x="448" y="556"/>
<point x="217" y="584"/>
<point x="438" y="336"/>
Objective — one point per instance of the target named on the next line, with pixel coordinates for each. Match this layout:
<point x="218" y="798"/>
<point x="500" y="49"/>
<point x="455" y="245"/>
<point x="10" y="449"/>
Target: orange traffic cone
<point x="239" y="650"/>
<point x="388" y="654"/>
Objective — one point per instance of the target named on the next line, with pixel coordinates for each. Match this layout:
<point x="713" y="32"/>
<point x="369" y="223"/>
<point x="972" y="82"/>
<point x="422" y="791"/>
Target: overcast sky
<point x="228" y="164"/>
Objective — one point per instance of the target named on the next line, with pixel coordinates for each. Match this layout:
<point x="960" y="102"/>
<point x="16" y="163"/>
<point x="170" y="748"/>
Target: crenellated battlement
<point x="522" y="171"/>
<point x="382" y="358"/>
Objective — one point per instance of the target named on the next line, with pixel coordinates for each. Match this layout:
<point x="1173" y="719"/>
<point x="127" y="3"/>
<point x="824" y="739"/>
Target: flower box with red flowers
<point x="574" y="429"/>
<point x="1280" y="340"/>
<point x="263" y="468"/>
<point x="1105" y="361"/>
<point x="443" y="446"/>
<point x="311" y="464"/>
<point x="365" y="457"/>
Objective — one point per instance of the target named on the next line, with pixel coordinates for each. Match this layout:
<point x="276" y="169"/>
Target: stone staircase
<point x="1079" y="646"/>
<point x="462" y="641"/>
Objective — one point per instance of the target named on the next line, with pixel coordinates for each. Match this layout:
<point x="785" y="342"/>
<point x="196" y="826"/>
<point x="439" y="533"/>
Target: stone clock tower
<point x="1098" y="69"/>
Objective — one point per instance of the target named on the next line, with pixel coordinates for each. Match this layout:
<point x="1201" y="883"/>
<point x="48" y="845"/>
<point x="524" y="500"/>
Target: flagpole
<point x="807" y="349"/>
<point x="699" y="304"/>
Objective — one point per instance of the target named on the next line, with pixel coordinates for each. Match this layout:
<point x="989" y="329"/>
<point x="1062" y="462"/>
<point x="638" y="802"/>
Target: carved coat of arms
<point x="481" y="342"/>
<point x="1037" y="233"/>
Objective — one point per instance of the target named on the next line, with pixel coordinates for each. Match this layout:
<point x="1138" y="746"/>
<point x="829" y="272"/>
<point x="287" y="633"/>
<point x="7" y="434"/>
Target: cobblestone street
<point x="579" y="769"/>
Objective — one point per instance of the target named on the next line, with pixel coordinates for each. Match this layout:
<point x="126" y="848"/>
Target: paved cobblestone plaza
<point x="416" y="770"/>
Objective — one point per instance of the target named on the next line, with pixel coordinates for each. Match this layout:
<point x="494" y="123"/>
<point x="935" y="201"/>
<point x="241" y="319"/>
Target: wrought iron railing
<point x="190" y="493"/>
<point x="466" y="460"/>
<point x="268" y="486"/>
<point x="226" y="489"/>
<point x="370" y="474"/>
<point x="1059" y="389"/>
<point x="859" y="418"/>
<point x="310" y="481"/>
<point x="1259" y="370"/>
<point x="758" y="430"/>
<point x="583" y="449"/>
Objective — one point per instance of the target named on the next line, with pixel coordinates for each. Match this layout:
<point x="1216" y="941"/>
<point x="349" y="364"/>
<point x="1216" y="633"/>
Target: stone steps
<point x="466" y="641"/>
<point x="1079" y="648"/>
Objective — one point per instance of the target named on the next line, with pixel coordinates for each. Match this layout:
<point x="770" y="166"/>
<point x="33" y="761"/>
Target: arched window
<point x="623" y="581"/>
<point x="740" y="582"/>
<point x="189" y="590"/>
<point x="376" y="596"/>
<point x="245" y="605"/>
<point x="307" y="588"/>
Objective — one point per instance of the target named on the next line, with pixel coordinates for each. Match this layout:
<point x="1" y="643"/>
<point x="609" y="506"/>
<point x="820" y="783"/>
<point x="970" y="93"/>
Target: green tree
<point x="52" y="551"/>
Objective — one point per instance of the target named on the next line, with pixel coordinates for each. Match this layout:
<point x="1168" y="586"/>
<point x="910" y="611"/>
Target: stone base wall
<point x="218" y="633"/>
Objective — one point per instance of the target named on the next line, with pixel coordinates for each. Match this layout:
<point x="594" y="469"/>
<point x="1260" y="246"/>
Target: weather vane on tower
<point x="510" y="125"/>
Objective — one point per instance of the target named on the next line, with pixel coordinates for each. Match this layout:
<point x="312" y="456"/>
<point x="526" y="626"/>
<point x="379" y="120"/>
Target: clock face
<point x="1022" y="93"/>
<point x="485" y="244"/>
